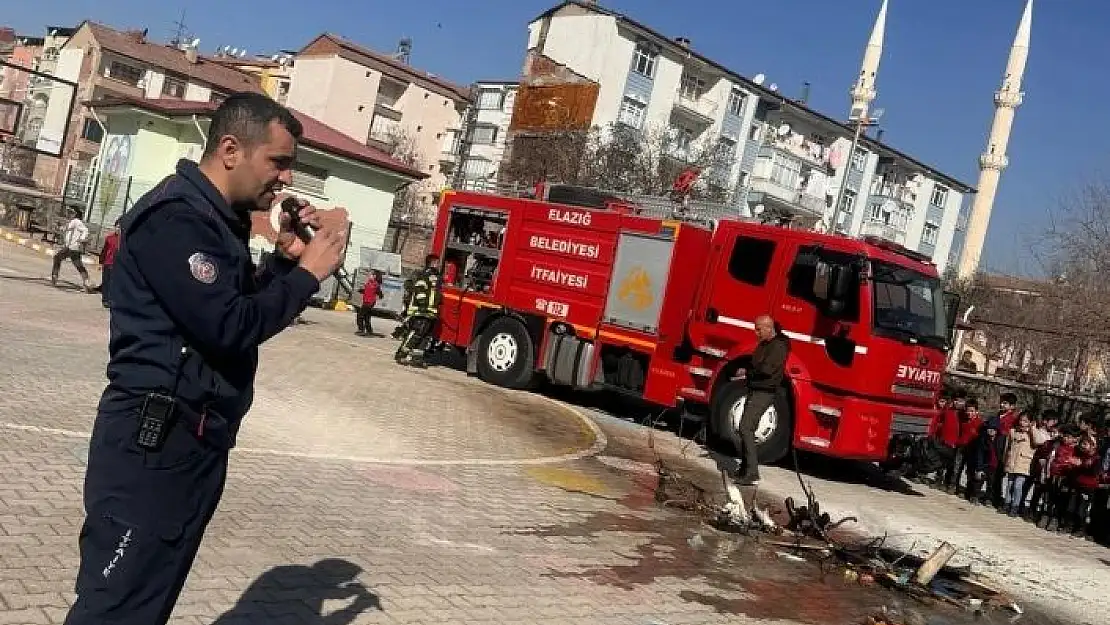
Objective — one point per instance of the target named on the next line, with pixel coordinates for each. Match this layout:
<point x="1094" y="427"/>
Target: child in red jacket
<point x="1059" y="486"/>
<point x="1085" y="478"/>
<point x="970" y="425"/>
<point x="107" y="260"/>
<point x="371" y="291"/>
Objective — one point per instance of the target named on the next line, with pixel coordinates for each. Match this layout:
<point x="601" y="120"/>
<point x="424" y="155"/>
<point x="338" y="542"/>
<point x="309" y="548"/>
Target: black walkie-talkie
<point x="305" y="233"/>
<point x="293" y="209"/>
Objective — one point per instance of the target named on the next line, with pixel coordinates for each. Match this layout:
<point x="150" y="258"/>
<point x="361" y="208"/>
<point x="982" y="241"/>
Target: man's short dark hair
<point x="247" y="116"/>
<point x="1008" y="398"/>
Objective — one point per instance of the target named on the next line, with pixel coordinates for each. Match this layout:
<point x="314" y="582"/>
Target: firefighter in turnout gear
<point x="422" y="313"/>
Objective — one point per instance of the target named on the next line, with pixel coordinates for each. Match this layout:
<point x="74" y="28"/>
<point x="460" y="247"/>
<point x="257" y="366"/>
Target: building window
<point x="491" y="99"/>
<point x="736" y="103"/>
<point x="930" y="233"/>
<point x="940" y="196"/>
<point x="632" y="112"/>
<point x="691" y="87"/>
<point x="859" y="159"/>
<point x="384" y="129"/>
<point x="882" y="213"/>
<point x="476" y="168"/>
<point x="283" y="91"/>
<point x="309" y="178"/>
<point x="643" y="60"/>
<point x="125" y="73"/>
<point x="92" y="131"/>
<point x="173" y="87"/>
<point x="847" y="205"/>
<point x="751" y="260"/>
<point x="216" y="97"/>
<point x="786" y="172"/>
<point x="483" y="135"/>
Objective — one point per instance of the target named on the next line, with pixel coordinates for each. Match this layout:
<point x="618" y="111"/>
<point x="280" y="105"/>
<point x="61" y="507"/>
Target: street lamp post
<point x="863" y="121"/>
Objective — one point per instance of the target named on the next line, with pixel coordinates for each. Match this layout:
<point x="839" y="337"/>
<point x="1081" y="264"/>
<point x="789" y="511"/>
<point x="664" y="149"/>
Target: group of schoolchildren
<point x="1053" y="474"/>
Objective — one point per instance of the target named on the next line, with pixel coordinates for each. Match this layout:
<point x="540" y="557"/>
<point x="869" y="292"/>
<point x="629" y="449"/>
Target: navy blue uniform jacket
<point x="189" y="308"/>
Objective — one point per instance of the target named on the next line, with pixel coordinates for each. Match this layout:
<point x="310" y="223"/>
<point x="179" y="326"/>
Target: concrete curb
<point x="42" y="248"/>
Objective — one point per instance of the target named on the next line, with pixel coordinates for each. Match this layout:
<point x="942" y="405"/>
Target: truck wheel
<point x="506" y="354"/>
<point x="773" y="434"/>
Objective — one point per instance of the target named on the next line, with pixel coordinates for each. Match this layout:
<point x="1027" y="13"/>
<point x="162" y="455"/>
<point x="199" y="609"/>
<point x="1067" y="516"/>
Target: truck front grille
<point x="909" y="424"/>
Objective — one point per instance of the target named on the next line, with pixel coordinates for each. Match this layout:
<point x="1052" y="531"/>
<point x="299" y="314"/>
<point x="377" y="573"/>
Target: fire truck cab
<point x="592" y="293"/>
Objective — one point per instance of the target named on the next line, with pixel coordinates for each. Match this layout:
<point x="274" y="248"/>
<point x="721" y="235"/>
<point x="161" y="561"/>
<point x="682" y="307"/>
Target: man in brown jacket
<point x="764" y="379"/>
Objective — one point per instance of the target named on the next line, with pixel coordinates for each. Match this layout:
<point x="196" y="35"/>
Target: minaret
<point x="993" y="161"/>
<point x="863" y="92"/>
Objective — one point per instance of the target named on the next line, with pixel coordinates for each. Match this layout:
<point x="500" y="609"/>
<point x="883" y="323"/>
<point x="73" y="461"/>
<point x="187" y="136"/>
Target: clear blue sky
<point x="942" y="61"/>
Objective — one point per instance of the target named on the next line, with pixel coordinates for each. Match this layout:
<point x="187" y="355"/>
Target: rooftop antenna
<point x="404" y="50"/>
<point x="181" y="33"/>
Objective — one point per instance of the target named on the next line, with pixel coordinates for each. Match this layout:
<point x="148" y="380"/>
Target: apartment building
<point x="482" y="146"/>
<point x="788" y="161"/>
<point x="274" y="72"/>
<point x="381" y="100"/>
<point x="106" y="62"/>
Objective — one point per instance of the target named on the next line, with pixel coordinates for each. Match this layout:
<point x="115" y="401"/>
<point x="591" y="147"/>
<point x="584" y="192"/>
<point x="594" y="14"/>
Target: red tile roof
<point x="360" y="54"/>
<point x="135" y="46"/>
<point x="316" y="133"/>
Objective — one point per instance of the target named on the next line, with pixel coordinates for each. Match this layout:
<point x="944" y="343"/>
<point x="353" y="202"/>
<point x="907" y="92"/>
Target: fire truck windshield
<point x="908" y="305"/>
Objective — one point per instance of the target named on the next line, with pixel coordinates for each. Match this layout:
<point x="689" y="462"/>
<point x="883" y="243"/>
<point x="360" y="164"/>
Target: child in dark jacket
<point x="987" y="458"/>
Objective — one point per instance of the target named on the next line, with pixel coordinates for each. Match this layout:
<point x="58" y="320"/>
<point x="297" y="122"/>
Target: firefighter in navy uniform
<point x="422" y="313"/>
<point x="189" y="312"/>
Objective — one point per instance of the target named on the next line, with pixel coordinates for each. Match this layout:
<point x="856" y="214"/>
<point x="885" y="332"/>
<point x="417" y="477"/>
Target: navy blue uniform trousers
<point x="146" y="515"/>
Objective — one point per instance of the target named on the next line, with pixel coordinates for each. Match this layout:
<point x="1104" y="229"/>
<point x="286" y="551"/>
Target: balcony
<point x="876" y="228"/>
<point x="902" y="194"/>
<point x="449" y="156"/>
<point x="763" y="189"/>
<point x="700" y="110"/>
<point x="809" y="152"/>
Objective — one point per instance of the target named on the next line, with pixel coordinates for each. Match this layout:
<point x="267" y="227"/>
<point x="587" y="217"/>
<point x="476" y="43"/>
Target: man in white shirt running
<point x="73" y="240"/>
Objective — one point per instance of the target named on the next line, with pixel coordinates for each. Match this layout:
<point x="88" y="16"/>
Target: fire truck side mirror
<point x="831" y="281"/>
<point x="951" y="312"/>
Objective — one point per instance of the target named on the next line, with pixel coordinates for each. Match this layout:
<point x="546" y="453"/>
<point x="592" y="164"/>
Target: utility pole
<point x="861" y="122"/>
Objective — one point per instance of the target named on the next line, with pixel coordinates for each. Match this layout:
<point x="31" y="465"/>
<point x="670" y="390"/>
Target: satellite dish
<point x="194" y="43"/>
<point x="773" y="87"/>
<point x="759" y="78"/>
<point x="758" y="210"/>
<point x="242" y="53"/>
<point x="53" y="32"/>
<point x="274" y="58"/>
<point x="783" y="130"/>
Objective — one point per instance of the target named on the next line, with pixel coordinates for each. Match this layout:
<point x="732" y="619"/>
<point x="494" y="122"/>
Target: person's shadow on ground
<point x="296" y="593"/>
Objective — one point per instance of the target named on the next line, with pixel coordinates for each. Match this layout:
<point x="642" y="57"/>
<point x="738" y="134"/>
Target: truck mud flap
<point x="568" y="359"/>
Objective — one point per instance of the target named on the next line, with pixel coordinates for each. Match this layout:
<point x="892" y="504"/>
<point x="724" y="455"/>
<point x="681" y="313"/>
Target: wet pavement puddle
<point x="731" y="573"/>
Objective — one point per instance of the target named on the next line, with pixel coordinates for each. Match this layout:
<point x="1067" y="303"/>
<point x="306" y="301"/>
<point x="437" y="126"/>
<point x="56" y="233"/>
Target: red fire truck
<point x="590" y="292"/>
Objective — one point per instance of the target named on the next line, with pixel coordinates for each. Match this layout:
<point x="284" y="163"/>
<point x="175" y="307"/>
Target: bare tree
<point x="407" y="208"/>
<point x="621" y="159"/>
<point x="1060" y="320"/>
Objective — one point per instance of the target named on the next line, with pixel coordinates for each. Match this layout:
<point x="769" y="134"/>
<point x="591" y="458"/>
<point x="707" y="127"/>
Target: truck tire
<point x="506" y="355"/>
<point x="775" y="432"/>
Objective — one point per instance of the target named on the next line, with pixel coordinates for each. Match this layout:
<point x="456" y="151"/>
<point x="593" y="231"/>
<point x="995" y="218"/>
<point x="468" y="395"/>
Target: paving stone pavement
<point x="458" y="502"/>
